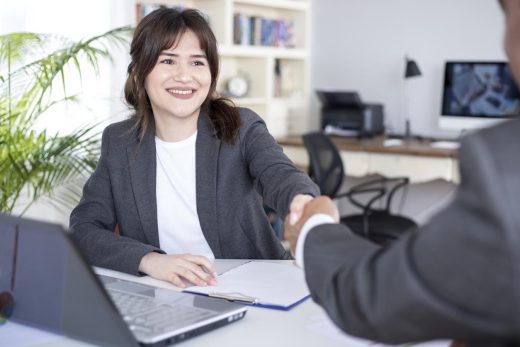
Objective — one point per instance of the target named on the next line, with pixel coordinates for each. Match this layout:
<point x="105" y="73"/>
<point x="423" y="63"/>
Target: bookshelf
<point x="271" y="49"/>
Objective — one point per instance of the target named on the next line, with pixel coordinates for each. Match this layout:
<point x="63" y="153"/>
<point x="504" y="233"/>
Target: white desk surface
<point x="304" y="325"/>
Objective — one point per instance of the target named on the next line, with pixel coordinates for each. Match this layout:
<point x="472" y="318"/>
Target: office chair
<point x="379" y="225"/>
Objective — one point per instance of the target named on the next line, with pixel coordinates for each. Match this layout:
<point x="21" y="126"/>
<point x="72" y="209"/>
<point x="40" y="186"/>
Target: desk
<point x="262" y="327"/>
<point x="259" y="328"/>
<point x="416" y="159"/>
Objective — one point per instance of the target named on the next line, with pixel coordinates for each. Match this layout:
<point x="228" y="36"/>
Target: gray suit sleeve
<point x="456" y="278"/>
<point x="92" y="223"/>
<point x="277" y="178"/>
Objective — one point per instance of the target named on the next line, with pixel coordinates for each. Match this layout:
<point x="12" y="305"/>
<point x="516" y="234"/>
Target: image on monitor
<point x="480" y="89"/>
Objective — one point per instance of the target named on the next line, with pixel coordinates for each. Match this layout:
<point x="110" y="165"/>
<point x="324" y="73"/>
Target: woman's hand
<point x="296" y="207"/>
<point x="179" y="267"/>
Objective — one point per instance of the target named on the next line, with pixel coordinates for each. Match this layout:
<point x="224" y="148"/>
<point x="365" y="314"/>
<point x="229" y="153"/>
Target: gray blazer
<point x="229" y="179"/>
<point x="458" y="277"/>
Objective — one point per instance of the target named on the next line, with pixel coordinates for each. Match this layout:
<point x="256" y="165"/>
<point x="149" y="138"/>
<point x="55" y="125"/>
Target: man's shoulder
<point x="507" y="128"/>
<point x="504" y="136"/>
<point x="493" y="151"/>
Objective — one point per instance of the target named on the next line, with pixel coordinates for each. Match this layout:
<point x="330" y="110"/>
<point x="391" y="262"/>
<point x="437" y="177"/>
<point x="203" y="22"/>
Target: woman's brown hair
<point x="161" y="30"/>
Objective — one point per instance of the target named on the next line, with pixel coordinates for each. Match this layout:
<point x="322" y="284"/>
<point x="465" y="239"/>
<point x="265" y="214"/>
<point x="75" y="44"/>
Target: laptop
<point x="55" y="289"/>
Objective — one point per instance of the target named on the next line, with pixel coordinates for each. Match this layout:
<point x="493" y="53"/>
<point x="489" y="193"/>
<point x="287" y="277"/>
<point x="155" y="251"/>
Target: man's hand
<point x="321" y="204"/>
<point x="175" y="268"/>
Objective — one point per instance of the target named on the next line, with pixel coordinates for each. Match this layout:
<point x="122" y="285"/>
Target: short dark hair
<point x="160" y="30"/>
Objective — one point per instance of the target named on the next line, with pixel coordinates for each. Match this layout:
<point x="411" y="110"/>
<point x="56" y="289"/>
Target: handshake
<point x="301" y="211"/>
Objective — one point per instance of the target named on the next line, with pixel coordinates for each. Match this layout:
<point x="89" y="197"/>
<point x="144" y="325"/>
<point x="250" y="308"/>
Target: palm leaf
<point x="38" y="164"/>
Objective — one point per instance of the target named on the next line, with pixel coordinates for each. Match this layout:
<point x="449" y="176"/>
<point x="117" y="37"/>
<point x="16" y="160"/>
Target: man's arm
<point x="453" y="279"/>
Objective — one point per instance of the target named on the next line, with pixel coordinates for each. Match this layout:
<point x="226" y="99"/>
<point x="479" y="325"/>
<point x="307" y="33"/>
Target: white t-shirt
<point x="178" y="221"/>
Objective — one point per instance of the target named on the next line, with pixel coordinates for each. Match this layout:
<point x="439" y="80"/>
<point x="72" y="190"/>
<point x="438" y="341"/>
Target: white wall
<point x="360" y="45"/>
<point x="77" y="20"/>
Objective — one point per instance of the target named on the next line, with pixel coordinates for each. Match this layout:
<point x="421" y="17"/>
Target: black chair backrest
<point x="325" y="164"/>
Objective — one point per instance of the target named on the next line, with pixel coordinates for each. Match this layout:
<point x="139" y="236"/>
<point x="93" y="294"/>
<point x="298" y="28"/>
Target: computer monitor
<point x="478" y="94"/>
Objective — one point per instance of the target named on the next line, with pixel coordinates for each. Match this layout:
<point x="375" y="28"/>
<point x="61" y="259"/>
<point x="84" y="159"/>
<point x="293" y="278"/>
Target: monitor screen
<point x="480" y="90"/>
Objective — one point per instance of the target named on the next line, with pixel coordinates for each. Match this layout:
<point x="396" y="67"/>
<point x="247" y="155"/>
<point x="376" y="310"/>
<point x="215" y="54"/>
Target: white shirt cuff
<point x="317" y="219"/>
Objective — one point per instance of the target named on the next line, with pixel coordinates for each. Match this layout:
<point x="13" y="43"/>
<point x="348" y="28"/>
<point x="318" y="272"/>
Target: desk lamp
<point x="411" y="70"/>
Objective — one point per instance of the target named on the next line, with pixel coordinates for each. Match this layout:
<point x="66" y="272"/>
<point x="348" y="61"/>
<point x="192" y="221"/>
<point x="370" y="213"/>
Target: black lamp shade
<point x="412" y="70"/>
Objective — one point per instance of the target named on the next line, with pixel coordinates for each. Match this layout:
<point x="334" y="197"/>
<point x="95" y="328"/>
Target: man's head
<point x="512" y="35"/>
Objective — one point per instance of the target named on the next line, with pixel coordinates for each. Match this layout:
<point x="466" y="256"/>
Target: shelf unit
<point x="282" y="101"/>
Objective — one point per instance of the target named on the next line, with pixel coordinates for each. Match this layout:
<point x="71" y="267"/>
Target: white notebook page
<point x="270" y="283"/>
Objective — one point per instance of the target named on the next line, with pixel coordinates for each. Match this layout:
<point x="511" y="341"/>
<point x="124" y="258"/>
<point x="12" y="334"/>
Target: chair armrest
<point x="402" y="181"/>
<point x="380" y="191"/>
<point x="359" y="190"/>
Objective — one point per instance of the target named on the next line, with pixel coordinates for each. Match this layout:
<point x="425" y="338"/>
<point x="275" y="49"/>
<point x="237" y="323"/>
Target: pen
<point x="235" y="296"/>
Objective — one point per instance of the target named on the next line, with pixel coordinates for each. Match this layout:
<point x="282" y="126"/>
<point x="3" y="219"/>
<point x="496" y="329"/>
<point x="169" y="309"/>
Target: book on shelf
<point x="236" y="28"/>
<point x="245" y="30"/>
<point x="261" y="31"/>
<point x="277" y="78"/>
<point x="256" y="30"/>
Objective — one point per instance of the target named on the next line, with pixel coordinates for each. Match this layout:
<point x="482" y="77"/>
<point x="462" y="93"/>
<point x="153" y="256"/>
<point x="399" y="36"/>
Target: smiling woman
<point x="182" y="72"/>
<point x="183" y="180"/>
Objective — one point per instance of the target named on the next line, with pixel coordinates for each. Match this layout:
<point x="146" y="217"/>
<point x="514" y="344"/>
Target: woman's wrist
<point x="144" y="264"/>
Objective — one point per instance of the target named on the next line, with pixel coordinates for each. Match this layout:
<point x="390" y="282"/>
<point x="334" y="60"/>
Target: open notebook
<point x="260" y="283"/>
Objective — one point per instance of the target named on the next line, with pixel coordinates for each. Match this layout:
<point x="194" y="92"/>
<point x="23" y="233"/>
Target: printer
<point x="343" y="113"/>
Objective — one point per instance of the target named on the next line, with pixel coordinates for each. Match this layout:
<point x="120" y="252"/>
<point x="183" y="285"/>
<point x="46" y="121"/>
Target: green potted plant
<point x="36" y="163"/>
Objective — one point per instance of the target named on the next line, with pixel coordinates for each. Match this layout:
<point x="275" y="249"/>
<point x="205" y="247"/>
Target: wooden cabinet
<point x="267" y="41"/>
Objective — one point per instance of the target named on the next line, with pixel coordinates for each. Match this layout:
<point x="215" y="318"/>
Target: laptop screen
<point x="25" y="259"/>
<point x="53" y="287"/>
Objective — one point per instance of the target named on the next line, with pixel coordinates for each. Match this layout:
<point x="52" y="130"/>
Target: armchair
<point x="378" y="224"/>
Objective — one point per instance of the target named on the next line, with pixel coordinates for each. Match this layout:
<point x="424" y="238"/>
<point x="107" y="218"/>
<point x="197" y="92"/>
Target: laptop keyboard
<point x="147" y="317"/>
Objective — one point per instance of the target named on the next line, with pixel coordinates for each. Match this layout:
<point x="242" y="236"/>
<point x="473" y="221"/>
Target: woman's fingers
<point x="195" y="274"/>
<point x="176" y="281"/>
<point x="296" y="207"/>
<point x="203" y="261"/>
<point x="177" y="268"/>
